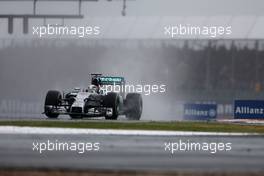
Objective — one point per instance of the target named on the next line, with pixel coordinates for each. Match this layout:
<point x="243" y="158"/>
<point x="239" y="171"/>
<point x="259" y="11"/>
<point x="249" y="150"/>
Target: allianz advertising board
<point x="249" y="109"/>
<point x="200" y="111"/>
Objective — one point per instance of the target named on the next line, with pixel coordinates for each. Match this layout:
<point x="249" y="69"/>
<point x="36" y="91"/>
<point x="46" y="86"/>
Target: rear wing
<point x="107" y="80"/>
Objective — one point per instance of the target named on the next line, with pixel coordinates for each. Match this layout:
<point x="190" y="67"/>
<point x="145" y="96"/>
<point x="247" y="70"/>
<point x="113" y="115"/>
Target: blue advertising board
<point x="249" y="109"/>
<point x="200" y="111"/>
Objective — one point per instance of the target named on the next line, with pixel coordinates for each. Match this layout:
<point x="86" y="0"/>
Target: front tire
<point x="134" y="106"/>
<point x="53" y="99"/>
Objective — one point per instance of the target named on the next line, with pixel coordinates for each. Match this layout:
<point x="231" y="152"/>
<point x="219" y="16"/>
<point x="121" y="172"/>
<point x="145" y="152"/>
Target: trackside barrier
<point x="249" y="109"/>
<point x="200" y="111"/>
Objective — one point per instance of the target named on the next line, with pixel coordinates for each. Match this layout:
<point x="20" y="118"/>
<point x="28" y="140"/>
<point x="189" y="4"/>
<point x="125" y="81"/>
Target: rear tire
<point x="53" y="99"/>
<point x="134" y="106"/>
<point x="111" y="100"/>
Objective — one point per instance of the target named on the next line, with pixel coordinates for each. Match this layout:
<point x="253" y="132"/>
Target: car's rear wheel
<point x="111" y="100"/>
<point x="53" y="100"/>
<point x="134" y="106"/>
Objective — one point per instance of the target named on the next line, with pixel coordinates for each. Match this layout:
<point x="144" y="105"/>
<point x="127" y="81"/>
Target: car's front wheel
<point x="53" y="100"/>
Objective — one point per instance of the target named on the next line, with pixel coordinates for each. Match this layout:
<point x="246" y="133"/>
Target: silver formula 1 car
<point x="94" y="101"/>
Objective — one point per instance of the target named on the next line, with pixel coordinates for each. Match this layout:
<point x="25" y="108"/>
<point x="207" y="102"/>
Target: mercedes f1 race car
<point x="94" y="101"/>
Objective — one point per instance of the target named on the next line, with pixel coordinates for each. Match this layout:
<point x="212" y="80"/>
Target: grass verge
<point x="171" y="126"/>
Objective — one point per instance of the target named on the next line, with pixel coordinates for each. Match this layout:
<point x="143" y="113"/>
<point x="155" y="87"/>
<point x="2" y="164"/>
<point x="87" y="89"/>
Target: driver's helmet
<point x="93" y="88"/>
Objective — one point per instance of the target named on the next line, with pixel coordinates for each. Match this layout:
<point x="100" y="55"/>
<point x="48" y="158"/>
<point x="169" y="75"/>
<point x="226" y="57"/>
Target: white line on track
<point x="45" y="130"/>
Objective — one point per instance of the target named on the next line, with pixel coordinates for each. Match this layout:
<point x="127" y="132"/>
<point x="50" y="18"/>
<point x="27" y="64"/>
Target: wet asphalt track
<point x="119" y="152"/>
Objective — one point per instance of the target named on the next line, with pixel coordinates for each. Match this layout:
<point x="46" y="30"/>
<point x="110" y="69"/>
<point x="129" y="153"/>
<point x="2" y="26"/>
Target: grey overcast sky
<point x="143" y="16"/>
<point x="146" y="7"/>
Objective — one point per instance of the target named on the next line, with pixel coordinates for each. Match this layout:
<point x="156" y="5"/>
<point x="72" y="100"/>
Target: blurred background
<point x="132" y="44"/>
